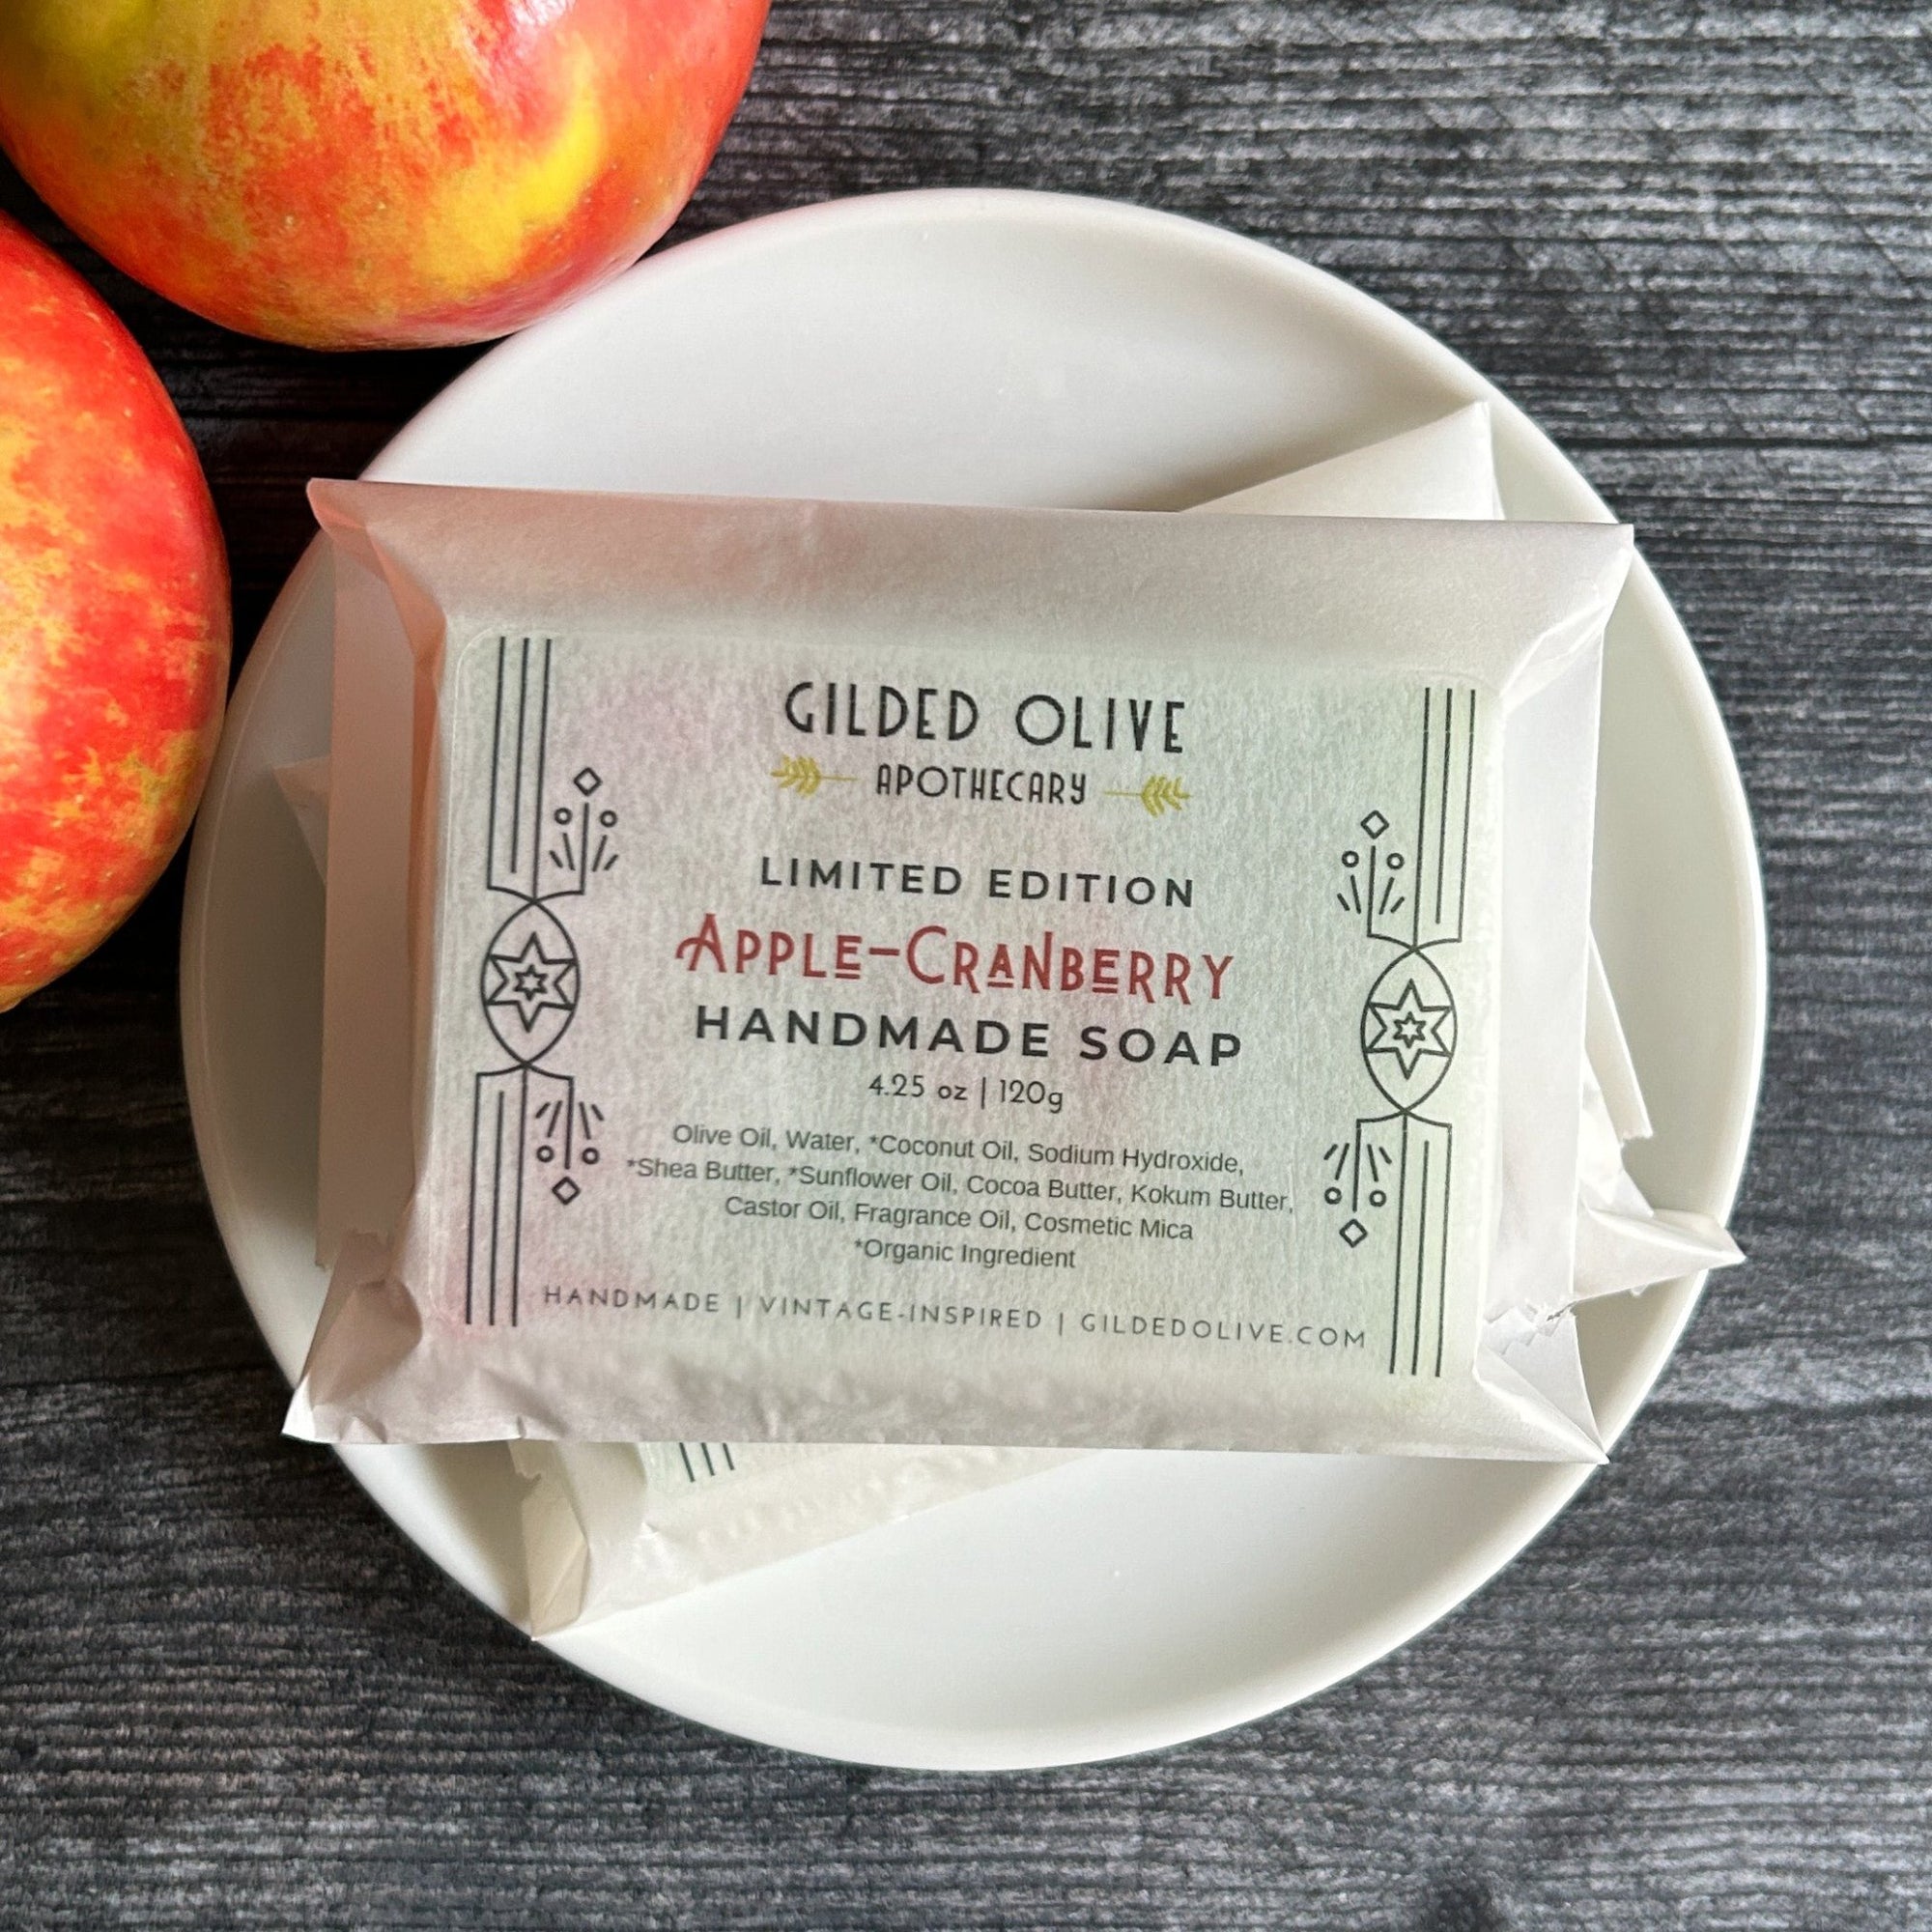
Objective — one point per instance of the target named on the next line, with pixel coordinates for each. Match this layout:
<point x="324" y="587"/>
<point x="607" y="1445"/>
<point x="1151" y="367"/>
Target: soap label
<point x="884" y="1003"/>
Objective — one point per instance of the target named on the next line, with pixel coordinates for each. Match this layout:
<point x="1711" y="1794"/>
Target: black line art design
<point x="531" y="1124"/>
<point x="1393" y="1172"/>
<point x="716" y="1458"/>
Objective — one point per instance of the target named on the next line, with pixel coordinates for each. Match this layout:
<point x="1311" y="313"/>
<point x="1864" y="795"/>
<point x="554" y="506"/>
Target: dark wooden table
<point x="1692" y="236"/>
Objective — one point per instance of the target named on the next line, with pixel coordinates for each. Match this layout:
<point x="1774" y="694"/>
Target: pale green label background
<point x="1267" y="1128"/>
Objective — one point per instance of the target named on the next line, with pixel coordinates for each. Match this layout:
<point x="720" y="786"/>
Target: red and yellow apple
<point x="113" y="620"/>
<point x="370" y="173"/>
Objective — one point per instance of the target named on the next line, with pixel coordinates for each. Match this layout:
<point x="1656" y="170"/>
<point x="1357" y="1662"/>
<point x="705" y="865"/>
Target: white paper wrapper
<point x="613" y="1527"/>
<point x="1397" y="718"/>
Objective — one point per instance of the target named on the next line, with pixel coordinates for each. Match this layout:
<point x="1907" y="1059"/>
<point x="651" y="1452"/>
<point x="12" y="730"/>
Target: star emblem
<point x="1410" y="1029"/>
<point x="530" y="980"/>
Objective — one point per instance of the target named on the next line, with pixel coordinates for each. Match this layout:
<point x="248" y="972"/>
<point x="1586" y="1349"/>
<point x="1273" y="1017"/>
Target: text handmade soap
<point x="850" y="973"/>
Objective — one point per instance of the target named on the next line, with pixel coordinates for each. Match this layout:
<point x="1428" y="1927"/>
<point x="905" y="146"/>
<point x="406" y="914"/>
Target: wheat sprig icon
<point x="1157" y="795"/>
<point x="803" y="777"/>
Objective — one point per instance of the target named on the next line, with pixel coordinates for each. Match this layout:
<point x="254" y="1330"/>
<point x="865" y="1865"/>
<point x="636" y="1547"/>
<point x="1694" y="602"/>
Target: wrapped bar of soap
<point x="611" y="1526"/>
<point x="897" y="974"/>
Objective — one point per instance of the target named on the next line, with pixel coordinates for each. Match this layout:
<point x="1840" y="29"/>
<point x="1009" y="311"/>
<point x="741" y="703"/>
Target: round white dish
<point x="985" y="347"/>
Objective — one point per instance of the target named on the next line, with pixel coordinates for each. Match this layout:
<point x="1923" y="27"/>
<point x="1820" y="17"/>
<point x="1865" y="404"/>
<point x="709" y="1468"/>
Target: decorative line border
<point x="530" y="983"/>
<point x="725" y="1455"/>
<point x="1399" y="1166"/>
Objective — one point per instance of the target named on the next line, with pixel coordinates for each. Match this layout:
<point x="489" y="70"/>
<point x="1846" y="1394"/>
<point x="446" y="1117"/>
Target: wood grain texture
<point x="1693" y="240"/>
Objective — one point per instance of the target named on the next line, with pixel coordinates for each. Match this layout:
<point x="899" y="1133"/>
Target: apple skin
<point x="351" y="174"/>
<point x="114" y="626"/>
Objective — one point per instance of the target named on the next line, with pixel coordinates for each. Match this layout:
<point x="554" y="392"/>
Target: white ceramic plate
<point x="1009" y="349"/>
